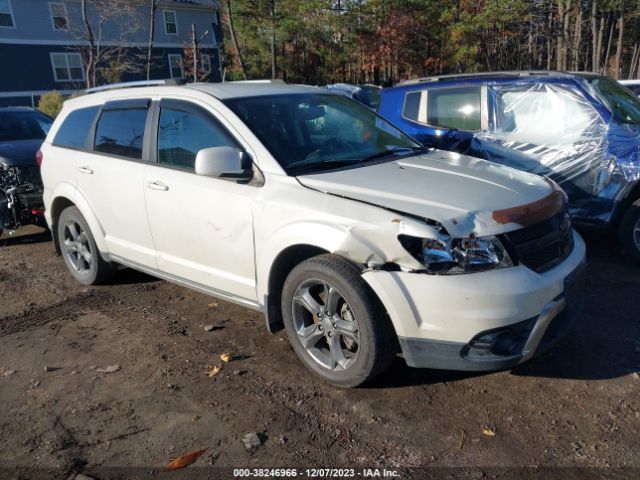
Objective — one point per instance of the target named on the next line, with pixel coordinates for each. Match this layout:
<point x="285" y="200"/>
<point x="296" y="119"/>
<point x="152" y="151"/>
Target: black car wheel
<point x="629" y="230"/>
<point x="335" y="324"/>
<point x="79" y="249"/>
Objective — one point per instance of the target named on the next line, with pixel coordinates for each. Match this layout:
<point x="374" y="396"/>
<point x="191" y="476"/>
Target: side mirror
<point x="224" y="162"/>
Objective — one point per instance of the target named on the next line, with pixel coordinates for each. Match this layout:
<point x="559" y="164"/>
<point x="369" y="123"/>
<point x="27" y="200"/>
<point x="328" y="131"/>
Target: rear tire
<point x="334" y="322"/>
<point x="79" y="249"/>
<point x="629" y="231"/>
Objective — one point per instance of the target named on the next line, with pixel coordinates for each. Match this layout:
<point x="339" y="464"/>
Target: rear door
<point x="202" y="226"/>
<point x="110" y="178"/>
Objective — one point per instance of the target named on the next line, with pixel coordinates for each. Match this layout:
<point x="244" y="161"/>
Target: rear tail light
<point x="39" y="157"/>
<point x="37" y="211"/>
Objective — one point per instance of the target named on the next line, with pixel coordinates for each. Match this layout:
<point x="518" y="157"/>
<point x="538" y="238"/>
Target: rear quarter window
<point x="75" y="128"/>
<point x="411" y="107"/>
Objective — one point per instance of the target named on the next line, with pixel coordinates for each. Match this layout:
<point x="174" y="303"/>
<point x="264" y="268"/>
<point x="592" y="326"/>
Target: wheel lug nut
<point x="320" y="328"/>
<point x="330" y="334"/>
<point x="335" y="325"/>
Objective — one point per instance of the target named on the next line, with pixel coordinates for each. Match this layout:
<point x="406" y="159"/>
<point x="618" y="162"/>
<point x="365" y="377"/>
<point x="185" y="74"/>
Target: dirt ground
<point x="576" y="406"/>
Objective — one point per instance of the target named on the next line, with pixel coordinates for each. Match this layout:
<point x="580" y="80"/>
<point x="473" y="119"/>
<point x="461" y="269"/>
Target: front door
<point x="202" y="227"/>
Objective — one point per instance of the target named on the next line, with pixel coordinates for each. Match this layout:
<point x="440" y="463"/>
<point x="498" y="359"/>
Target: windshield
<point x="623" y="103"/>
<point x="318" y="131"/>
<point x="28" y="125"/>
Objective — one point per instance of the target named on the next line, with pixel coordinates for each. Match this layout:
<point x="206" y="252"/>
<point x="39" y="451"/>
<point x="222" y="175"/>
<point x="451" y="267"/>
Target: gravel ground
<point x="577" y="406"/>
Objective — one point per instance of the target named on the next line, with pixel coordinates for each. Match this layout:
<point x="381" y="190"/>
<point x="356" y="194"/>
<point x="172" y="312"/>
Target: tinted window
<point x="412" y="105"/>
<point x="454" y="108"/>
<point x="75" y="128"/>
<point x="27" y="125"/>
<point x="311" y="131"/>
<point x="120" y="132"/>
<point x="624" y="105"/>
<point x="181" y="135"/>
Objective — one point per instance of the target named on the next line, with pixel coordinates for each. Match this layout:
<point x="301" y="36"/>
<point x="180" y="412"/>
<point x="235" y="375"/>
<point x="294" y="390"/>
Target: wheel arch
<point x="621" y="208"/>
<point x="64" y="200"/>
<point x="282" y="265"/>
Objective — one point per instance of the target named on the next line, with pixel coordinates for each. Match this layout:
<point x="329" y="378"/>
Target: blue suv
<point x="582" y="130"/>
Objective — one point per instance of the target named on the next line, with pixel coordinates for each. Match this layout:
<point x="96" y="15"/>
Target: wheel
<point x="629" y="231"/>
<point x="79" y="249"/>
<point x="335" y="324"/>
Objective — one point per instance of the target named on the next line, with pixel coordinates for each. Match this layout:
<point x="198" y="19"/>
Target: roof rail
<point x="455" y="76"/>
<point x="140" y="83"/>
<point x="266" y="80"/>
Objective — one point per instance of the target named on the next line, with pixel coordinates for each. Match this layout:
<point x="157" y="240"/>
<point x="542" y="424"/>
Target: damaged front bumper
<point x="484" y="321"/>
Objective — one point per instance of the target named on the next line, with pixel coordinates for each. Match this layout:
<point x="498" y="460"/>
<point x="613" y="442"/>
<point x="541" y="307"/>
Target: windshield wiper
<point x="394" y="151"/>
<point x="304" y="165"/>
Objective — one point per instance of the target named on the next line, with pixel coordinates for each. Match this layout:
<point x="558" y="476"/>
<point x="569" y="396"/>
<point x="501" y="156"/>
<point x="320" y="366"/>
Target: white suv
<point x="309" y="207"/>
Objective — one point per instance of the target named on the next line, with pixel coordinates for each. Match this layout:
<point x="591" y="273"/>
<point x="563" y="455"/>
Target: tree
<point x="153" y="8"/>
<point x="121" y="16"/>
<point x="51" y="103"/>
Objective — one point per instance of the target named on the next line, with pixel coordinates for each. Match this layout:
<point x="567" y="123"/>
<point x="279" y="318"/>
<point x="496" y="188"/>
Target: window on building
<point x="121" y="132"/>
<point x="206" y="63"/>
<point x="181" y="135"/>
<point x="6" y="14"/>
<point x="75" y="128"/>
<point x="59" y="17"/>
<point x="454" y="108"/>
<point x="170" y="24"/>
<point x="67" y="67"/>
<point x="176" y="66"/>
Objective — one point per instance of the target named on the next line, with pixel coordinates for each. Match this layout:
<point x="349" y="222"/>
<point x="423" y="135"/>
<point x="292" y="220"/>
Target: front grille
<point x="544" y="245"/>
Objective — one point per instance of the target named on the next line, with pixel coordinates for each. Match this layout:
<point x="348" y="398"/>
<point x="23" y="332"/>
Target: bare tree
<point x="234" y="39"/>
<point x="102" y="54"/>
<point x="153" y="8"/>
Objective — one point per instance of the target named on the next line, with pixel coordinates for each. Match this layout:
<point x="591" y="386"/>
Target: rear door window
<point x="75" y="128"/>
<point x="457" y="108"/>
<point x="121" y="132"/>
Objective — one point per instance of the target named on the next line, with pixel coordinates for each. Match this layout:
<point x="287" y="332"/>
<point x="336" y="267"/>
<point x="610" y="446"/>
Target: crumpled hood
<point x="465" y="194"/>
<point x="19" y="152"/>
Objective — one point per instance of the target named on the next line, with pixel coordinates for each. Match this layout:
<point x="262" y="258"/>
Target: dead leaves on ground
<point x="186" y="459"/>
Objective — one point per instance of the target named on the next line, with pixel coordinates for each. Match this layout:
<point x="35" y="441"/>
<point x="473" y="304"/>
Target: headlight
<point x="462" y="255"/>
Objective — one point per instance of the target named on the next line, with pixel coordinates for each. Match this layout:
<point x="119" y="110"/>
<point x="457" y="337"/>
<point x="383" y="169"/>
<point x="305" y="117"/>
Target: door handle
<point x="157" y="186"/>
<point x="86" y="170"/>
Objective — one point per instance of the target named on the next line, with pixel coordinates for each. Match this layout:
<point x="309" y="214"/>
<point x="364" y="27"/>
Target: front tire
<point x="334" y="322"/>
<point x="629" y="231"/>
<point x="79" y="249"/>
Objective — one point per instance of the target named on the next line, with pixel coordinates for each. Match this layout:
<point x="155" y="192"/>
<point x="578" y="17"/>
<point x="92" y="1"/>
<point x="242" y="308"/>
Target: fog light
<point x="503" y="343"/>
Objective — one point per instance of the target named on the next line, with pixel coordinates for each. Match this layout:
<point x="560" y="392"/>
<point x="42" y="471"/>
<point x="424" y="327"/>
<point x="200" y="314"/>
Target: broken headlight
<point x="460" y="255"/>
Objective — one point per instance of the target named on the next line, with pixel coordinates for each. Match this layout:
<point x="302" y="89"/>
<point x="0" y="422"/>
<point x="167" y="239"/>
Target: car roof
<point x="18" y="109"/>
<point x="225" y="90"/>
<point x="515" y="74"/>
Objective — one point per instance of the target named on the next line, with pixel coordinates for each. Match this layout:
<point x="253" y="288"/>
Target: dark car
<point x="22" y="131"/>
<point x="368" y="95"/>
<point x="581" y="130"/>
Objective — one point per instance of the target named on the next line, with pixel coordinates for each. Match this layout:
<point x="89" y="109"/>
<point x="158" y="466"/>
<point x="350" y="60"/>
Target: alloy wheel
<point x="326" y="325"/>
<point x="77" y="246"/>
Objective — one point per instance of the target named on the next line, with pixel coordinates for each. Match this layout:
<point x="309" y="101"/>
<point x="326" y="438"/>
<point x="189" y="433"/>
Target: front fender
<point x="362" y="243"/>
